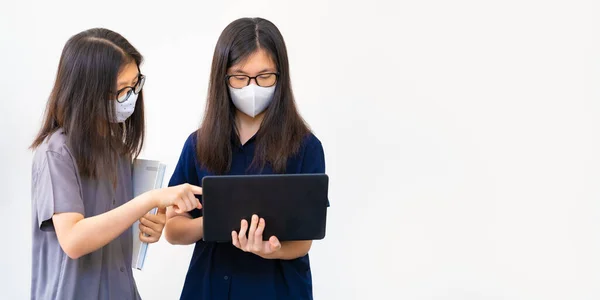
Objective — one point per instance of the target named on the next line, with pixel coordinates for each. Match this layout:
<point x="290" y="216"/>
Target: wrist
<point x="273" y="255"/>
<point x="150" y="199"/>
<point x="199" y="227"/>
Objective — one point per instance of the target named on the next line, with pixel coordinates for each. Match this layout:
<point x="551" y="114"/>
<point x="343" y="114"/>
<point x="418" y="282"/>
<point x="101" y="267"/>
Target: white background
<point x="462" y="138"/>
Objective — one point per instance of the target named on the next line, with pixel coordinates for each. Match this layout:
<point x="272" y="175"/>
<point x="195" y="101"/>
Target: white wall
<point x="462" y="137"/>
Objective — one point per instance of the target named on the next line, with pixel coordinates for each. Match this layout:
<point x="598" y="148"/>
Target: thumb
<point x="274" y="243"/>
<point x="161" y="211"/>
<point x="177" y="209"/>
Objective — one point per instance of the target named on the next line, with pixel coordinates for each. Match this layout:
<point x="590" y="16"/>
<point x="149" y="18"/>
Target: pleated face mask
<point x="252" y="99"/>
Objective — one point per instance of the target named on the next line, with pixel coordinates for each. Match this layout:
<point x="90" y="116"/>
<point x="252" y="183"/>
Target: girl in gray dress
<point x="82" y="206"/>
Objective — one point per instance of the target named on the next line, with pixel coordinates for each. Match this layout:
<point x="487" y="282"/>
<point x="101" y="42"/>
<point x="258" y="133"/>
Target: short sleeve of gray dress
<point x="56" y="189"/>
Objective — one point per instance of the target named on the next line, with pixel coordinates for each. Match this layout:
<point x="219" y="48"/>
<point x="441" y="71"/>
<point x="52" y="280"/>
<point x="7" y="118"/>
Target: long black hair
<point x="79" y="102"/>
<point x="282" y="130"/>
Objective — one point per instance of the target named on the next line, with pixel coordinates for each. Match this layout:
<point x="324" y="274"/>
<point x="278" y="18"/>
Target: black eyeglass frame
<point x="132" y="89"/>
<point x="250" y="79"/>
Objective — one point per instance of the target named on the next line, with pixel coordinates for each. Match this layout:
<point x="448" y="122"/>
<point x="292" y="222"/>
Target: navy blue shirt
<point x="222" y="271"/>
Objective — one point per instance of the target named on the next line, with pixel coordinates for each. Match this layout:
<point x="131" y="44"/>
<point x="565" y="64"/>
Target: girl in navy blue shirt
<point x="251" y="126"/>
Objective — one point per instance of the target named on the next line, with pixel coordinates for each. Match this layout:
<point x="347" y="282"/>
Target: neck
<point x="247" y="126"/>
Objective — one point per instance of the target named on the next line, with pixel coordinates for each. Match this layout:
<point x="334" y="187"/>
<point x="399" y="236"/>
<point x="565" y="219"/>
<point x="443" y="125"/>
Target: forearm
<point x="291" y="250"/>
<point x="79" y="236"/>
<point x="182" y="230"/>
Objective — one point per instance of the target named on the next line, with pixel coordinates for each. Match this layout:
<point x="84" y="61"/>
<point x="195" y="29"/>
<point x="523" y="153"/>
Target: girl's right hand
<point x="181" y="197"/>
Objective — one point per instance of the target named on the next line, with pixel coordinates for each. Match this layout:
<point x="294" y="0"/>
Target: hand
<point x="181" y="197"/>
<point x="254" y="243"/>
<point x="151" y="226"/>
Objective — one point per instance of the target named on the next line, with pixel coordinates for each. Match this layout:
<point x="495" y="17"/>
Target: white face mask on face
<point x="252" y="99"/>
<point x="124" y="110"/>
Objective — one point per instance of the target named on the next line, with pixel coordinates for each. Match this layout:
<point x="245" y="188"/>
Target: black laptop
<point x="294" y="206"/>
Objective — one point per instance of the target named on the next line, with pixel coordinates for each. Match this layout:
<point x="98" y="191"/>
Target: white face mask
<point x="252" y="99"/>
<point x="124" y="110"/>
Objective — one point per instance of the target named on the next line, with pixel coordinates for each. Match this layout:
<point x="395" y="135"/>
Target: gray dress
<point x="57" y="187"/>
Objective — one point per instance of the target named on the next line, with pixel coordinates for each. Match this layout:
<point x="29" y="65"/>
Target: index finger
<point x="196" y="189"/>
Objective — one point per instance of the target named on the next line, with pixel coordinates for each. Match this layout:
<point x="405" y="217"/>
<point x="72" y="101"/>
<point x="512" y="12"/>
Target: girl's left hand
<point x="152" y="226"/>
<point x="254" y="243"/>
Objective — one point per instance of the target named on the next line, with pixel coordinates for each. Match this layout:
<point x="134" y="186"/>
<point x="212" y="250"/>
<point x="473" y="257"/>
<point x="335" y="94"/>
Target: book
<point x="147" y="175"/>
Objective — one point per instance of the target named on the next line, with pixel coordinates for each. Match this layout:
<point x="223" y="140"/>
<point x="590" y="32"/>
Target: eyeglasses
<point x="124" y="93"/>
<point x="263" y="80"/>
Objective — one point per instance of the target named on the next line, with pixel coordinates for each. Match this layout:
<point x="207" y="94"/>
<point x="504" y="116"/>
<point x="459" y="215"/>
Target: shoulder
<point x="55" y="146"/>
<point x="311" y="148"/>
<point x="188" y="152"/>
<point x="54" y="151"/>
<point x="312" y="156"/>
<point x="186" y="168"/>
<point x="311" y="142"/>
<point x="192" y="138"/>
<point x="56" y="143"/>
<point x="190" y="142"/>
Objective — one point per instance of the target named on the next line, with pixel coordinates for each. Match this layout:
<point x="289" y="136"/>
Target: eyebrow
<point x="267" y="70"/>
<point x="124" y="83"/>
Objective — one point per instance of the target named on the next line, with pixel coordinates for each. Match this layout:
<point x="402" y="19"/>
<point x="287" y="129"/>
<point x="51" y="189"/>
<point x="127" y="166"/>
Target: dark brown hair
<point x="79" y="102"/>
<point x="282" y="130"/>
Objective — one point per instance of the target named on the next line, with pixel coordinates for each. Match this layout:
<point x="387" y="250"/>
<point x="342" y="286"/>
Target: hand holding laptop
<point x="254" y="243"/>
